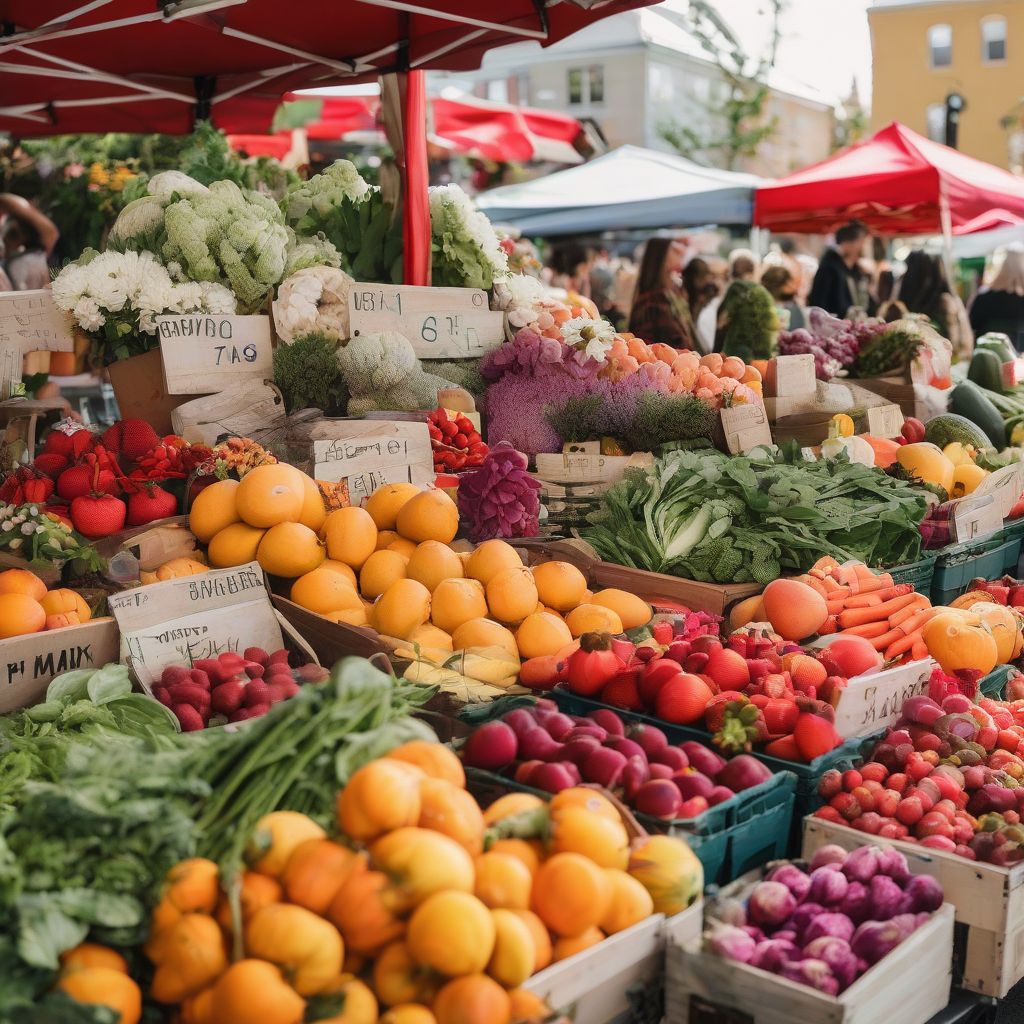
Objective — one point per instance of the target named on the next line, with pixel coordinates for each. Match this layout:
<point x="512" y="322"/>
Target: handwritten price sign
<point x="870" y="703"/>
<point x="204" y="354"/>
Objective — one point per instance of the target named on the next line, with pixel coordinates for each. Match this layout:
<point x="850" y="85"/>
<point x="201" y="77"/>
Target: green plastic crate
<point x="993" y="684"/>
<point x="918" y="574"/>
<point x="1014" y="530"/>
<point x="958" y="564"/>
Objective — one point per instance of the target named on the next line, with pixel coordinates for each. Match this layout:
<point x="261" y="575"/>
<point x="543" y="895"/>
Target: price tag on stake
<point x="794" y="376"/>
<point x="206" y="354"/>
<point x="976" y="517"/>
<point x="29" y="322"/>
<point x="745" y="427"/>
<point x="885" y="420"/>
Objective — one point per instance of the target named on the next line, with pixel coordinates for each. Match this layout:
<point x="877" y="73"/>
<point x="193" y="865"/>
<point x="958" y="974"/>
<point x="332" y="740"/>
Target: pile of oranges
<point x="27" y="606"/>
<point x="423" y="910"/>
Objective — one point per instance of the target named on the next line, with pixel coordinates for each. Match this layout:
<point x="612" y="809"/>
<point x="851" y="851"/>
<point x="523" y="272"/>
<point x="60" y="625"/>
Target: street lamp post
<point x="955" y="106"/>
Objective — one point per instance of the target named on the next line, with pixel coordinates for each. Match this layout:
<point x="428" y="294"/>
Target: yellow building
<point x="925" y="50"/>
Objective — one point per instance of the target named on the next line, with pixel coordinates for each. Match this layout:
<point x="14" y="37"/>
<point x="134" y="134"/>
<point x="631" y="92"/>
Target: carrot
<point x="878" y="596"/>
<point x="919" y="651"/>
<point x="858" y="616"/>
<point x="915" y="623"/>
<point x="863" y="600"/>
<point x="869" y="629"/>
<point x="828" y="626"/>
<point x="880" y="643"/>
<point x="894" y="604"/>
<point x="899" y="647"/>
<point x="834" y="607"/>
<point x="898" y="617"/>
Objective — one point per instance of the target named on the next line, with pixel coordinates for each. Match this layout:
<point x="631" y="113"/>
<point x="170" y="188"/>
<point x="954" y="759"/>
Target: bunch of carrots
<point x="891" y="616"/>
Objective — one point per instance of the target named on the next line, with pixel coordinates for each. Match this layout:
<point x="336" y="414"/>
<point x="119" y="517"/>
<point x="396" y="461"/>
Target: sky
<point x="825" y="42"/>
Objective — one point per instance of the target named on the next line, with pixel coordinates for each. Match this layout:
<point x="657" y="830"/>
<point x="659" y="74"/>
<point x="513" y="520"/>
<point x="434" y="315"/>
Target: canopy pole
<point x="416" y="205"/>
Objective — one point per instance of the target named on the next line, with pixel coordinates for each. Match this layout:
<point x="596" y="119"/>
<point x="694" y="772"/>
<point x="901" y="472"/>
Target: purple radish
<point x="493" y="745"/>
<point x="609" y="721"/>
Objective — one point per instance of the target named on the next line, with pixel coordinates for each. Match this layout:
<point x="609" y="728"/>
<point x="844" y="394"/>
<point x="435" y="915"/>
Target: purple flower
<point x="500" y="499"/>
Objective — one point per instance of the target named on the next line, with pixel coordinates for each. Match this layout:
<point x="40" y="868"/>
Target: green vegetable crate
<point x="958" y="564"/>
<point x="994" y="683"/>
<point x="805" y="800"/>
<point x="918" y="574"/>
<point x="749" y="830"/>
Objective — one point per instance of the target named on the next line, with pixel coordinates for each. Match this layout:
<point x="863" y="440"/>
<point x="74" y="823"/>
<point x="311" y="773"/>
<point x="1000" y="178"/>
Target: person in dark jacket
<point x="835" y="284"/>
<point x="1000" y="307"/>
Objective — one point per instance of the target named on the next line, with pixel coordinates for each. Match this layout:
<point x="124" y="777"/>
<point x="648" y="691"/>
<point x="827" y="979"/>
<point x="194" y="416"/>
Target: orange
<point x="64" y="601"/>
<point x="490" y="558"/>
<point x="348" y="616"/>
<point x="401" y="608"/>
<point x="435" y="759"/>
<point x="381" y="796"/>
<point x="20" y="615"/>
<point x="429" y="515"/>
<point x="484" y="633"/>
<point x="342" y="570"/>
<point x="290" y="549"/>
<point x="386" y="537"/>
<point x="503" y="881"/>
<point x="529" y="851"/>
<point x="583" y="796"/>
<point x="601" y="840"/>
<point x="570" y="893"/>
<point x="542" y="948"/>
<point x="512" y="594"/>
<point x="511" y="804"/>
<point x="324" y="590"/>
<point x="380" y="570"/>
<point x="420" y="862"/>
<point x="541" y="633"/>
<point x="313" y="512"/>
<point x="105" y="986"/>
<point x="528" y="1007"/>
<point x="474" y="999"/>
<point x="351" y="536"/>
<point x="453" y="933"/>
<point x="403" y="547"/>
<point x="213" y="509"/>
<point x="21" y="581"/>
<point x="559" y="585"/>
<point x="453" y="812"/>
<point x="271" y="494"/>
<point x="630" y="903"/>
<point x="397" y="978"/>
<point x="570" y="945"/>
<point x="359" y="1005"/>
<point x="631" y="610"/>
<point x="431" y="643"/>
<point x="433" y="562"/>
<point x="91" y="954"/>
<point x="387" y="501"/>
<point x="408" y="1013"/>
<point x="359" y="911"/>
<point x="315" y="871"/>
<point x="235" y="545"/>
<point x="593" y="618"/>
<point x="456" y="601"/>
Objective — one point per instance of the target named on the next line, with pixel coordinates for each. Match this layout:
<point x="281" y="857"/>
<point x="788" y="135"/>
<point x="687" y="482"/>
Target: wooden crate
<point x="697" y="596"/>
<point x="591" y="987"/>
<point x="988" y="899"/>
<point x="872" y="702"/>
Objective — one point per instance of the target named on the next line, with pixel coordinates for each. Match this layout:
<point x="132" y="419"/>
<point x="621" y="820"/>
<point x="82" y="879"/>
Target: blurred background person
<point x="29" y="238"/>
<point x="925" y="289"/>
<point x="837" y="283"/>
<point x="1000" y="306"/>
<point x="701" y="289"/>
<point x="889" y="308"/>
<point x="660" y="312"/>
<point x="782" y="287"/>
<point x="570" y="265"/>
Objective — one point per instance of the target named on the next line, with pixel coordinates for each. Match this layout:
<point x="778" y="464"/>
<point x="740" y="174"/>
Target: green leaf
<point x="45" y="931"/>
<point x="71" y="686"/>
<point x="109" y="909"/>
<point x="109" y="683"/>
<point x="58" y="1008"/>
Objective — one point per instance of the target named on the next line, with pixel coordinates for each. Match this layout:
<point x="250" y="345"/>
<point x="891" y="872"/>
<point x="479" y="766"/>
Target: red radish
<point x="719" y="795"/>
<point x="702" y="758"/>
<point x="673" y="757"/>
<point x="558" y="726"/>
<point x="520" y="721"/>
<point x="579" y="749"/>
<point x="693" y="808"/>
<point x="634" y="776"/>
<point x="660" y="771"/>
<point x="539" y="745"/>
<point x="691" y="783"/>
<point x="682" y="700"/>
<point x="649" y="737"/>
<point x="609" y="721"/>
<point x="604" y="766"/>
<point x="625" y="746"/>
<point x="658" y="798"/>
<point x="588" y="730"/>
<point x="492" y="746"/>
<point x="743" y="772"/>
<point x="552" y="778"/>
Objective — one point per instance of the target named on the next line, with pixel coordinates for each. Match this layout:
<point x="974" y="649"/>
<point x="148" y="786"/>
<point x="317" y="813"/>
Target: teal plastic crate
<point x="958" y="564"/>
<point x="1014" y="530"/>
<point x="917" y="574"/>
<point x="729" y="839"/>
<point x="805" y="796"/>
<point x="993" y="684"/>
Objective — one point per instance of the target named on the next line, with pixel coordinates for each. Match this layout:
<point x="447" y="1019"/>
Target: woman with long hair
<point x="924" y="288"/>
<point x="660" y="311"/>
<point x="1000" y="307"/>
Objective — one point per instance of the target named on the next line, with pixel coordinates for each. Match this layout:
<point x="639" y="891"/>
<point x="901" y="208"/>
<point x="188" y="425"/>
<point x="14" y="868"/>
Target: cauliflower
<point x="313" y="299"/>
<point x="167" y="182"/>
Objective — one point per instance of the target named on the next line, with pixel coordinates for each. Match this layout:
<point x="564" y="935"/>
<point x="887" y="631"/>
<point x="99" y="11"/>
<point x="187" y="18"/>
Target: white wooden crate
<point x="591" y="986"/>
<point x="989" y="899"/>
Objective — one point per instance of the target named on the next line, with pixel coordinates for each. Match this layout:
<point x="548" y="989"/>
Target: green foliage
<point x="751" y="321"/>
<point x="308" y="374"/>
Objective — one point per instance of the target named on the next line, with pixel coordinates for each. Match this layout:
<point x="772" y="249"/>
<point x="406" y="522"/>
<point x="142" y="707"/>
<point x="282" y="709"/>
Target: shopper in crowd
<point x="782" y="288"/>
<point x="743" y="265"/>
<point x="925" y="289"/>
<point x="837" y="284"/>
<point x="699" y="285"/>
<point x="1000" y="307"/>
<point x="29" y="238"/>
<point x="602" y="293"/>
<point x="660" y="312"/>
<point x="570" y="265"/>
<point x="888" y="307"/>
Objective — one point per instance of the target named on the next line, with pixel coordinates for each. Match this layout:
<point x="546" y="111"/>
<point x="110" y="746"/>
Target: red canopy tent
<point x="898" y="183"/>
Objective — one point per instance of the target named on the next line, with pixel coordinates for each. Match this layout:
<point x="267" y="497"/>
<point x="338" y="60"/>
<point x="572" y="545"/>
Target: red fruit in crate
<point x="131" y="438"/>
<point x="227" y="698"/>
<point x="189" y="719"/>
<point x="622" y="692"/>
<point x="98" y="515"/>
<point x="682" y="699"/>
<point x="76" y="481"/>
<point x="51" y="464"/>
<point x="256" y="654"/>
<point x="59" y="443"/>
<point x="149" y="504"/>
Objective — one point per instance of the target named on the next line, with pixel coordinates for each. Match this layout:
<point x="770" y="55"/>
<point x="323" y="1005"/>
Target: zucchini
<point x="998" y="343"/>
<point x="986" y="370"/>
<point x="971" y="402"/>
<point x="945" y="429"/>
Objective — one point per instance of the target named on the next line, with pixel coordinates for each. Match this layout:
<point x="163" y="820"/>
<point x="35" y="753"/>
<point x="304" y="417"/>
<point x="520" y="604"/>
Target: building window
<point x="497" y="90"/>
<point x="586" y="85"/>
<point x="940" y="46"/>
<point x="936" y="120"/>
<point x="993" y="39"/>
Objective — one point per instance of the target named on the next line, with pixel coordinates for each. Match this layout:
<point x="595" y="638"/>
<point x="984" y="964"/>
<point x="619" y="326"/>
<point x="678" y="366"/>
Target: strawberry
<point x="60" y="442"/>
<point x="77" y="481"/>
<point x="98" y="515"/>
<point x="227" y="698"/>
<point x="81" y="442"/>
<point x="50" y="463"/>
<point x="814" y="736"/>
<point x="622" y="692"/>
<point x="257" y="692"/>
<point x="188" y="717"/>
<point x="131" y="438"/>
<point x="256" y="654"/>
<point x="149" y="503"/>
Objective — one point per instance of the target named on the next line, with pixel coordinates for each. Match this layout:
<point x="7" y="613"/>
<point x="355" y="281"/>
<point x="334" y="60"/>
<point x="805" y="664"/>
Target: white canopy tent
<point x="630" y="187"/>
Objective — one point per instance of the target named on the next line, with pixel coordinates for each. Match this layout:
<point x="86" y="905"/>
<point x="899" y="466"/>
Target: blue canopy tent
<point x="630" y="187"/>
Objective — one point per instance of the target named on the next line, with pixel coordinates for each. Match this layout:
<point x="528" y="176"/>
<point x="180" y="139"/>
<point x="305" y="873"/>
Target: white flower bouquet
<point x="466" y="250"/>
<point x="115" y="298"/>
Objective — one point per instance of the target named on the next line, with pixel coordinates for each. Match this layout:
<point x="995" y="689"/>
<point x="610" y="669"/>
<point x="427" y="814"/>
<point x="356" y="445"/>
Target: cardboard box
<point x="29" y="663"/>
<point x="652" y="586"/>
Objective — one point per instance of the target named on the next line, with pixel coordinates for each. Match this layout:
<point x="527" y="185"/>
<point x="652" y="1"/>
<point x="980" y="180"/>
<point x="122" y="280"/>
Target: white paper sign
<point x="745" y="427"/>
<point x="370" y="453"/>
<point x="1005" y="485"/>
<point x="29" y="321"/>
<point x="975" y="518"/>
<point x="441" y="323"/>
<point x="870" y="703"/>
<point x="885" y="420"/>
<point x="205" y="353"/>
<point x="794" y="376"/>
<point x="180" y="621"/>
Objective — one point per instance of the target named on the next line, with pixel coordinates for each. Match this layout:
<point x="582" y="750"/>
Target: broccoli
<point x="725" y="570"/>
<point x="309" y="376"/>
<point x="765" y="566"/>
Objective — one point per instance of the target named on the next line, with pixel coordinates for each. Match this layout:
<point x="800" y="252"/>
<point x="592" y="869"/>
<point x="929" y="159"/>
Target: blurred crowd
<point x="669" y="290"/>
